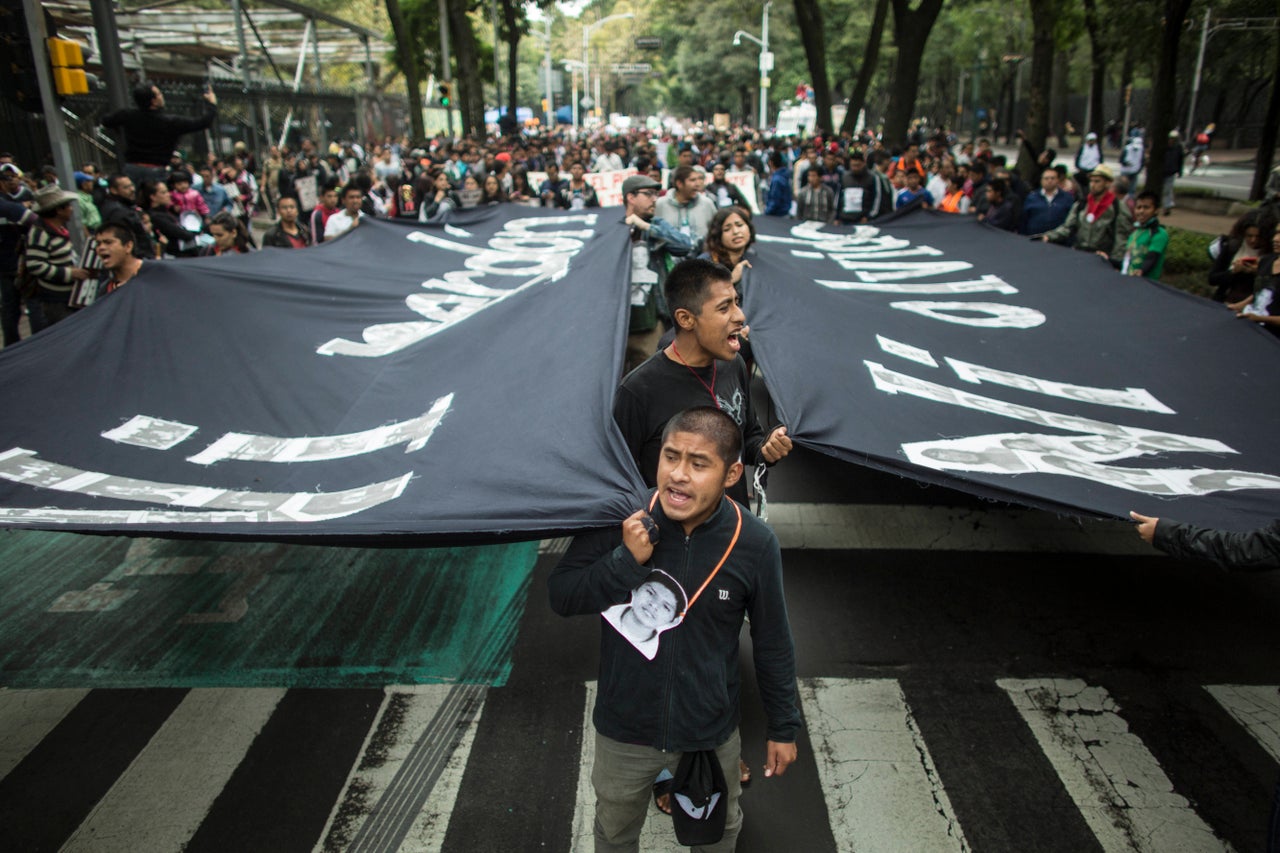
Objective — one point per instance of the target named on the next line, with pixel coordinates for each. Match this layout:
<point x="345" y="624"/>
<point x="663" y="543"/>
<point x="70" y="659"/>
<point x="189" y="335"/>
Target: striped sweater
<point x="50" y="258"/>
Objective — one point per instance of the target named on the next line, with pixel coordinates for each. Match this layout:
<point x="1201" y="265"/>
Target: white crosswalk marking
<point x="26" y="716"/>
<point x="402" y="721"/>
<point x="657" y="835"/>
<point x="1256" y="707"/>
<point x="159" y="802"/>
<point x="882" y="790"/>
<point x="1117" y="784"/>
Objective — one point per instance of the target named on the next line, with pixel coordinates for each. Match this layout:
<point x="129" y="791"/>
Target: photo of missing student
<point x="657" y="605"/>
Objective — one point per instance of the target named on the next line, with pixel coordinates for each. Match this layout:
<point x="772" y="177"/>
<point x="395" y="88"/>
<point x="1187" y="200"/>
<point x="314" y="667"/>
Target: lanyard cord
<point x="727" y="551"/>
<point x="711" y="389"/>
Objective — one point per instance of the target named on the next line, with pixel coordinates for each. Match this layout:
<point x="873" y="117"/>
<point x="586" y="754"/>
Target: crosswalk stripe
<point x="879" y="780"/>
<point x="405" y="817"/>
<point x="1116" y="783"/>
<point x="914" y="527"/>
<point x="26" y="716"/>
<point x="1256" y="707"/>
<point x="184" y="767"/>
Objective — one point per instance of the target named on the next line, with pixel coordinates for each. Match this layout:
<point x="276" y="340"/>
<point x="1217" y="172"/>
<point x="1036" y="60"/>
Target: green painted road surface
<point x="90" y="611"/>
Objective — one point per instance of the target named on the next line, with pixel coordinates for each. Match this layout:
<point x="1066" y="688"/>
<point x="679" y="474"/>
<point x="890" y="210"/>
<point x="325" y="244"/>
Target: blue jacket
<point x="1040" y="215"/>
<point x="778" y="201"/>
<point x="216" y="197"/>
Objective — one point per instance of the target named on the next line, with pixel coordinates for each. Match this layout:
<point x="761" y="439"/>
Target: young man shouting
<point x="700" y="367"/>
<point x="649" y="712"/>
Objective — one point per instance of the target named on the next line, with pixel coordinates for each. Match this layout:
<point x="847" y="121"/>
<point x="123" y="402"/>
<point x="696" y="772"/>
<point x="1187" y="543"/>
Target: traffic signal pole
<point x="53" y="118"/>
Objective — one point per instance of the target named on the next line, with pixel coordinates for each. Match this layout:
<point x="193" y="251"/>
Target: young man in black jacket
<point x="649" y="711"/>
<point x="288" y="232"/>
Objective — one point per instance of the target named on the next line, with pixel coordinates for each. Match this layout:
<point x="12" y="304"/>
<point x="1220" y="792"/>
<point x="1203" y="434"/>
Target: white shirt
<point x="340" y="223"/>
<point x="608" y="162"/>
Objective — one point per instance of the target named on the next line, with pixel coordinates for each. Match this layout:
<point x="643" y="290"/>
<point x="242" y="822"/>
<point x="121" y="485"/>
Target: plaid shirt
<point x="816" y="204"/>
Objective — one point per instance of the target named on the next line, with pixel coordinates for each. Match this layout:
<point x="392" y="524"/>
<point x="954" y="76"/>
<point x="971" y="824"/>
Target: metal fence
<point x="321" y="116"/>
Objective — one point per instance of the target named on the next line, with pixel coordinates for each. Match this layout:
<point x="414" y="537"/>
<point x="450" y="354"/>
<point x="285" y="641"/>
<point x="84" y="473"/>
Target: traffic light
<point x="18" y="79"/>
<point x="68" y="67"/>
<point x="446" y="94"/>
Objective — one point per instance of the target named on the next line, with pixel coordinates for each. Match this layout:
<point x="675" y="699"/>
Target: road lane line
<point x="26" y="716"/>
<point x="404" y="783"/>
<point x="882" y="789"/>
<point x="944" y="528"/>
<point x="1256" y="707"/>
<point x="159" y="802"/>
<point x="1117" y="784"/>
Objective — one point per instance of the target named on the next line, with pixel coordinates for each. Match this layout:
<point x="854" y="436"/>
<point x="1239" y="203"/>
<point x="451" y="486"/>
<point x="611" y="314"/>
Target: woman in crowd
<point x="440" y="198"/>
<point x="178" y="242"/>
<point x="1263" y="305"/>
<point x="493" y="193"/>
<point x="230" y="237"/>
<point x="521" y="191"/>
<point x="729" y="236"/>
<point x="471" y="194"/>
<point x="1236" y="267"/>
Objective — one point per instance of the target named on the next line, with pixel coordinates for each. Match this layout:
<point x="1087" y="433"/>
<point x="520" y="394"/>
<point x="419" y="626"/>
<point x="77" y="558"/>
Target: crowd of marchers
<point x="163" y="204"/>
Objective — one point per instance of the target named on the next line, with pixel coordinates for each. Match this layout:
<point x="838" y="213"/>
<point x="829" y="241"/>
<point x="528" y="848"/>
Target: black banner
<point x="948" y="351"/>
<point x="447" y="381"/>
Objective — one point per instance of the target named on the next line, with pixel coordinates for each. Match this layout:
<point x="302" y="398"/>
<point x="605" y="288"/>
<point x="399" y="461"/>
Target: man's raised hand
<point x="635" y="535"/>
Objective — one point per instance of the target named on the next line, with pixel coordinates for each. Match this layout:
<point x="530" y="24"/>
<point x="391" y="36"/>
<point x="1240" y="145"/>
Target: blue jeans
<point x="623" y="776"/>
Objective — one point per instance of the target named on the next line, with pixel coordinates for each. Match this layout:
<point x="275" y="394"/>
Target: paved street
<point x="973" y="677"/>
<point x="1231" y="181"/>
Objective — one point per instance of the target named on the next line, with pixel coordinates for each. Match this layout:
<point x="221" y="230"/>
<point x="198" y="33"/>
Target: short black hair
<point x="710" y="423"/>
<point x="143" y="94"/>
<point x="999" y="186"/>
<point x="120" y="232"/>
<point x="689" y="283"/>
<point x="1148" y="195"/>
<point x="351" y="186"/>
<point x="682" y="174"/>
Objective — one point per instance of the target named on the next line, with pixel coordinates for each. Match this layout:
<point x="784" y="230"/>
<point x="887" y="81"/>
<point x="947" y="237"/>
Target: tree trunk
<point x="470" y="90"/>
<point x="513" y="19"/>
<point x="1165" y="92"/>
<point x="910" y="33"/>
<point x="405" y="47"/>
<point x="1097" y="68"/>
<point x="1267" y="147"/>
<point x="813" y="36"/>
<point x="870" y="59"/>
<point x="1058" y="99"/>
<point x="1043" y="15"/>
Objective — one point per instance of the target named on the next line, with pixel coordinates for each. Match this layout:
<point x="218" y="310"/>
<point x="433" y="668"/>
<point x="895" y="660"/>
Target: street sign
<point x="648" y="42"/>
<point x="630" y="68"/>
<point x="766" y="61"/>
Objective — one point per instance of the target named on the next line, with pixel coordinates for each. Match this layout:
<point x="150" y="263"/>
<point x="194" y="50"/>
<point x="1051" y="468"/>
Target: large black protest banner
<point x="945" y="350"/>
<point x="428" y="381"/>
